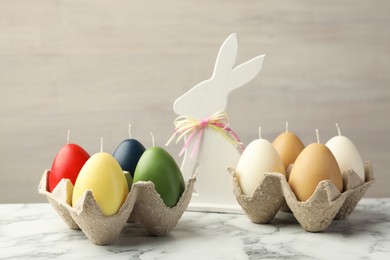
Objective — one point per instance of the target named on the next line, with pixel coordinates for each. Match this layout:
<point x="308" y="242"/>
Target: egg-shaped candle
<point x="289" y="146"/>
<point x="258" y="158"/>
<point x="313" y="165"/>
<point x="67" y="164"/>
<point x="128" y="153"/>
<point x="346" y="154"/>
<point x="158" y="166"/>
<point x="102" y="175"/>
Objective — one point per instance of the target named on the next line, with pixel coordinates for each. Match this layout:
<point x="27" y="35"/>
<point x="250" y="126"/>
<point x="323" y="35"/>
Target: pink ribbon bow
<point x="185" y="125"/>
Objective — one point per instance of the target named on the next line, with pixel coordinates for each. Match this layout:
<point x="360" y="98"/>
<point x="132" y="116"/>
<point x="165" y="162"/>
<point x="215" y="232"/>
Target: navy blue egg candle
<point x="128" y="153"/>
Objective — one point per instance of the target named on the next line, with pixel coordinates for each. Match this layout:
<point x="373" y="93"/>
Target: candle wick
<point x="260" y="132"/>
<point x="129" y="131"/>
<point x="67" y="139"/>
<point x="286" y="126"/>
<point x="318" y="136"/>
<point x="338" y="129"/>
<point x="151" y="134"/>
<point x="101" y="144"/>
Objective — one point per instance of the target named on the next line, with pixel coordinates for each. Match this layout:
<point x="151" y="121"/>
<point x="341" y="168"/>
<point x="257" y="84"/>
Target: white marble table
<point x="36" y="231"/>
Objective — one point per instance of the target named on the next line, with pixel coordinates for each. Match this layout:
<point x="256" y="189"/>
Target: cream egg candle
<point x="313" y="165"/>
<point x="346" y="154"/>
<point x="289" y="146"/>
<point x="258" y="157"/>
<point x="103" y="175"/>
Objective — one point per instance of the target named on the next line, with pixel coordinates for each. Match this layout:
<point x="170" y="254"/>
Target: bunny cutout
<point x="214" y="153"/>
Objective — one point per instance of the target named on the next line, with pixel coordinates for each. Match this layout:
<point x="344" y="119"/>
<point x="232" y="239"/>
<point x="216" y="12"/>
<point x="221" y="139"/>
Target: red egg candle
<point x="67" y="164"/>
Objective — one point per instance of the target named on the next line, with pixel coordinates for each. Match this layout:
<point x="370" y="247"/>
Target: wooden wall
<point x="96" y="66"/>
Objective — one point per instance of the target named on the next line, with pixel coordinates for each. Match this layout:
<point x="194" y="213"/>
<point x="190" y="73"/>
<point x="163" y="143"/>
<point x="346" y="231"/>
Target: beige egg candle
<point x="313" y="165"/>
<point x="258" y="158"/>
<point x="289" y="146"/>
<point x="103" y="175"/>
<point x="346" y="154"/>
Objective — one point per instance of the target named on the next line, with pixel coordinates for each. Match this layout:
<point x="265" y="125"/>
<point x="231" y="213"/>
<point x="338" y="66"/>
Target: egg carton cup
<point x="143" y="204"/>
<point x="315" y="214"/>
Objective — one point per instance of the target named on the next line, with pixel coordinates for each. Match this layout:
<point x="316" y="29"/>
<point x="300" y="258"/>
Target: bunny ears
<point x="211" y="95"/>
<point x="226" y="60"/>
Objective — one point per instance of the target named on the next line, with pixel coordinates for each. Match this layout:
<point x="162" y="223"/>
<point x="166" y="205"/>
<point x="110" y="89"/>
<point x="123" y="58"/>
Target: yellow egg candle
<point x="258" y="157"/>
<point x="313" y="165"/>
<point x="103" y="175"/>
<point x="288" y="146"/>
<point x="346" y="154"/>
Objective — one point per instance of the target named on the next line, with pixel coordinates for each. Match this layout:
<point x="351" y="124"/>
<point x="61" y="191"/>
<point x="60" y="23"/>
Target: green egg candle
<point x="103" y="175"/>
<point x="129" y="180"/>
<point x="158" y="166"/>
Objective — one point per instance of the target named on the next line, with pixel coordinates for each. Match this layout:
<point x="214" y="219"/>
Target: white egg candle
<point x="258" y="158"/>
<point x="346" y="154"/>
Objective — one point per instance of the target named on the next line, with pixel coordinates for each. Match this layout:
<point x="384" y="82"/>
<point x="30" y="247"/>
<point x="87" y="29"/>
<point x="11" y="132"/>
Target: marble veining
<point x="35" y="231"/>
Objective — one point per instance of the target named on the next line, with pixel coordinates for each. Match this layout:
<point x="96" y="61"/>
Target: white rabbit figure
<point x="215" y="153"/>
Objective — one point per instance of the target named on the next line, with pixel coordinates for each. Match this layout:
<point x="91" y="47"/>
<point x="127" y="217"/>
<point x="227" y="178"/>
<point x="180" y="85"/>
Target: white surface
<point x="35" y="231"/>
<point x="216" y="153"/>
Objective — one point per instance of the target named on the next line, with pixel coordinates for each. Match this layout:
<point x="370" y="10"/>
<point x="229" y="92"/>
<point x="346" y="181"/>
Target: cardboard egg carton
<point x="143" y="203"/>
<point x="315" y="214"/>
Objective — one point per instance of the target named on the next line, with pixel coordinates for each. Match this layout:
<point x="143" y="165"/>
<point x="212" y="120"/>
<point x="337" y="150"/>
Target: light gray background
<point x="95" y="66"/>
